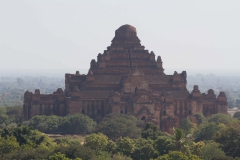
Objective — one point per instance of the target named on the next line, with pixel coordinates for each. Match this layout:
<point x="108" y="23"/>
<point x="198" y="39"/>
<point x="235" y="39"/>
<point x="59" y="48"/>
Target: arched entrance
<point x="143" y="118"/>
<point x="83" y="111"/>
<point x="136" y="88"/>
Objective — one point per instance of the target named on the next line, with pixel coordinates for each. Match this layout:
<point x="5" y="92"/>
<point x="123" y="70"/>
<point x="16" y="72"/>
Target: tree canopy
<point x="150" y="131"/>
<point x="237" y="115"/>
<point x="76" y="123"/>
<point x="229" y="138"/>
<point x="119" y="125"/>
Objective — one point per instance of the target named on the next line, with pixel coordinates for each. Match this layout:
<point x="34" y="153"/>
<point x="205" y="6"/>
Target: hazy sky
<point x="47" y="34"/>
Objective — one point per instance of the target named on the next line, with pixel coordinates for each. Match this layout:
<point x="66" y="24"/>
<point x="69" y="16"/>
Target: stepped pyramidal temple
<point x="127" y="79"/>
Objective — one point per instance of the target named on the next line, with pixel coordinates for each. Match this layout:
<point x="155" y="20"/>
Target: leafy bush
<point x="58" y="156"/>
<point x="8" y="145"/>
<point x="150" y="131"/>
<point x="44" y="123"/>
<point x="126" y="146"/>
<point x="163" y="144"/>
<point x="200" y="118"/>
<point x="26" y="154"/>
<point x="229" y="138"/>
<point x="98" y="142"/>
<point x="27" y="137"/>
<point x="221" y="118"/>
<point x="119" y="125"/>
<point x="186" y="125"/>
<point x="237" y="115"/>
<point x="206" y="131"/>
<point x="73" y="151"/>
<point x="176" y="155"/>
<point x="144" y="149"/>
<point x="210" y="150"/>
<point x="76" y="123"/>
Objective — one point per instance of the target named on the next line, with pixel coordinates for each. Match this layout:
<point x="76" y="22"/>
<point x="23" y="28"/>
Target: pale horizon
<point x="65" y="35"/>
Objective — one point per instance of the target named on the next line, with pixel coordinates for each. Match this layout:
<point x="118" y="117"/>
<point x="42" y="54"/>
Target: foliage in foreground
<point x="213" y="138"/>
<point x="117" y="125"/>
<point x="76" y="123"/>
<point x="10" y="116"/>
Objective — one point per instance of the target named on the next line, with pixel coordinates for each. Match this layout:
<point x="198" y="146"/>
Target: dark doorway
<point x="189" y="112"/>
<point x="136" y="89"/>
<point x="143" y="118"/>
<point x="164" y="112"/>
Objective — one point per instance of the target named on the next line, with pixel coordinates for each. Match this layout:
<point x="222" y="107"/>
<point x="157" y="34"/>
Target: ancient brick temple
<point x="127" y="79"/>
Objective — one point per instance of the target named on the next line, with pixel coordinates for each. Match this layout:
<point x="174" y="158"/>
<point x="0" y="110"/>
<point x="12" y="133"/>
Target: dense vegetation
<point x="118" y="137"/>
<point x="10" y="116"/>
<point x="12" y="89"/>
<point x="77" y="123"/>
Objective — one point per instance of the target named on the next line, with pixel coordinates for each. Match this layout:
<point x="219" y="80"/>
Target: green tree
<point x="27" y="137"/>
<point x="163" y="144"/>
<point x="206" y="131"/>
<point x="210" y="150"/>
<point x="74" y="151"/>
<point x="103" y="155"/>
<point x="98" y="142"/>
<point x="126" y="146"/>
<point x="66" y="141"/>
<point x="8" y="145"/>
<point x="182" y="143"/>
<point x="58" y="156"/>
<point x="3" y="110"/>
<point x="178" y="138"/>
<point x="221" y="118"/>
<point x="195" y="148"/>
<point x="237" y="115"/>
<point x="144" y="149"/>
<point x="176" y="155"/>
<point x="120" y="157"/>
<point x="44" y="123"/>
<point x="111" y="146"/>
<point x="77" y="123"/>
<point x="28" y="153"/>
<point x="200" y="118"/>
<point x="238" y="102"/>
<point x="3" y="117"/>
<point x="150" y="131"/>
<point x="119" y="125"/>
<point x="229" y="138"/>
<point x="187" y="126"/>
<point x="15" y="114"/>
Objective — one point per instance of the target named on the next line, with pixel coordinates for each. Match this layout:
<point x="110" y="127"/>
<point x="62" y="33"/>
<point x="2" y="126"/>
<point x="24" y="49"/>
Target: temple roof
<point x="127" y="28"/>
<point x="124" y="54"/>
<point x="126" y="36"/>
